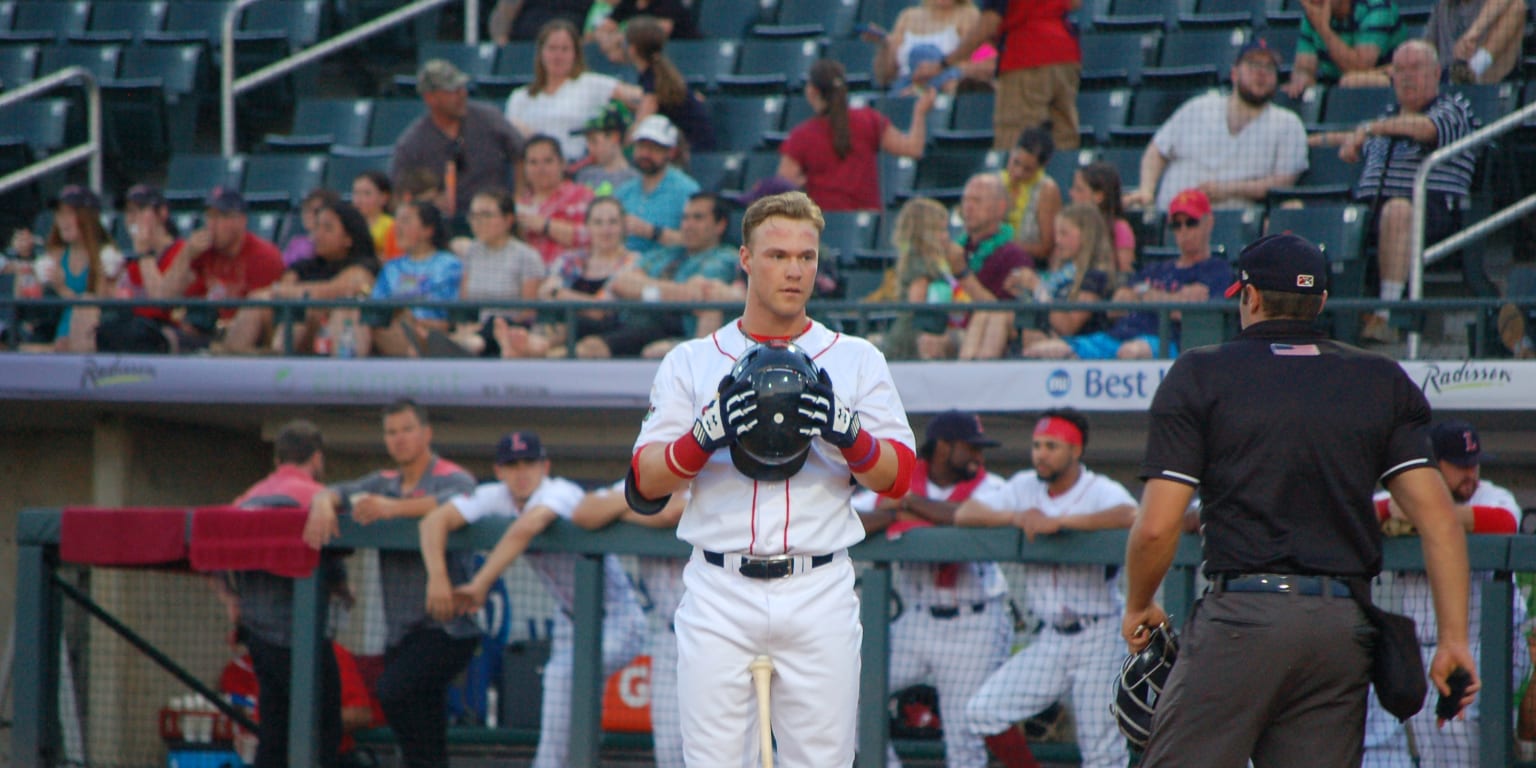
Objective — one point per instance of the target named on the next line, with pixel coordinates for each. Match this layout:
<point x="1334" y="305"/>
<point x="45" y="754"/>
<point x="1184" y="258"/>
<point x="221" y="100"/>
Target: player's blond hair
<point x="795" y="206"/>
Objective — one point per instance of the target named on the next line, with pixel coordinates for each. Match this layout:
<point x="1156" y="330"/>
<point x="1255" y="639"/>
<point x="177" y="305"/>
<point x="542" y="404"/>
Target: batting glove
<point x="824" y="415"/>
<point x="727" y="417"/>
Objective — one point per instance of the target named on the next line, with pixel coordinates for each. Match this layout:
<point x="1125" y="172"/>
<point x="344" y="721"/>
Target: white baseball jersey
<point x="809" y="513"/>
<point x="915" y="582"/>
<point x="1061" y="593"/>
<point x="556" y="569"/>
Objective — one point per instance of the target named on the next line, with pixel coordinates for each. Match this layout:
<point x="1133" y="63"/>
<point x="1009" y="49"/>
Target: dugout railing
<point x="41" y="594"/>
<point x="1203" y="323"/>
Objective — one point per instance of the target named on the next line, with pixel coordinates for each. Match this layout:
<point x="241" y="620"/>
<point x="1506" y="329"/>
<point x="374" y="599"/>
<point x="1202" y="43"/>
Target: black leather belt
<point x="767" y="567"/>
<point x="1077" y="625"/>
<point x="951" y="611"/>
<point x="1282" y="583"/>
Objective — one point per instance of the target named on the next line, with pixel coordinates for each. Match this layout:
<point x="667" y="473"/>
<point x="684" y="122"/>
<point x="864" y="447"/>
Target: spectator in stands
<point x="1038" y="70"/>
<point x="372" y="196"/>
<point x="467" y="144"/>
<point x="552" y="209"/>
<point x="1516" y="326"/>
<point x="605" y="168"/>
<point x="344" y="266"/>
<point x="523" y="19"/>
<point x="426" y="271"/>
<point x="834" y="155"/>
<point x="674" y="274"/>
<point x="1098" y="184"/>
<point x="1034" y="198"/>
<point x="1346" y="42"/>
<point x="221" y="260"/>
<point x="261" y="603"/>
<point x="155" y="245"/>
<point x="988" y="254"/>
<point x="301" y="245"/>
<point x="666" y="92"/>
<point x="927" y="32"/>
<point x="582" y="275"/>
<point x="1193" y="276"/>
<point x="564" y="95"/>
<point x="1234" y="147"/>
<point x="422" y="654"/>
<point x="1392" y="147"/>
<point x="1478" y="40"/>
<point x="526" y="492"/>
<point x="921" y="238"/>
<point x="1082" y="268"/>
<point x="78" y="261"/>
<point x="497" y="266"/>
<point x="655" y="200"/>
<point x="673" y="19"/>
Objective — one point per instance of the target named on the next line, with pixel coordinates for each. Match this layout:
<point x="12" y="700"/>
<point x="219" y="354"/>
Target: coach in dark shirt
<point x="1285" y="433"/>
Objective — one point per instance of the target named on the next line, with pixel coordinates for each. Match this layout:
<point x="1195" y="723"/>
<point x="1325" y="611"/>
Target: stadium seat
<point x="299" y="20"/>
<point x="135" y="131"/>
<point x="857" y="58"/>
<point x="881" y="12"/>
<point x="1327" y="179"/>
<point x="730" y="20"/>
<point x="896" y="176"/>
<point x="265" y="224"/>
<point x="758" y="166"/>
<point x="44" y="123"/>
<point x="796" y="111"/>
<point x="717" y="171"/>
<point x="99" y="60"/>
<point x="1137" y="14"/>
<point x="18" y="204"/>
<point x="7" y="14"/>
<point x="1489" y="102"/>
<point x="124" y="21"/>
<point x="187" y="20"/>
<point x="1117" y="57"/>
<point x="1309" y="107"/>
<point x="1127" y="161"/>
<point x="1101" y="111"/>
<point x="18" y="65"/>
<point x="1152" y="107"/>
<point x="771" y="64"/>
<point x="598" y="62"/>
<point x="941" y="174"/>
<point x="970" y="120"/>
<point x="345" y="164"/>
<point x="476" y="60"/>
<point x="701" y="62"/>
<point x="189" y="177"/>
<point x="320" y="123"/>
<point x="1223" y="14"/>
<point x="515" y="59"/>
<point x="47" y="22"/>
<point x="390" y="119"/>
<point x="741" y="121"/>
<point x="799" y="18"/>
<point x="849" y="231"/>
<point x="1214" y="48"/>
<point x="1351" y="106"/>
<point x="282" y="180"/>
<point x="1064" y="164"/>
<point x="899" y="110"/>
<point x="179" y="69"/>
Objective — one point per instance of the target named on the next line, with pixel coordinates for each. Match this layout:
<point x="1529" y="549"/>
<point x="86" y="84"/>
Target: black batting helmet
<point x="1141" y="682"/>
<point x="772" y="448"/>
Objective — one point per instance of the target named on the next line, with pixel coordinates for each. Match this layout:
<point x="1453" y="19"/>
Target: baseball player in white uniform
<point x="1078" y="651"/>
<point x="954" y="628"/>
<point x="525" y="491"/>
<point x="769" y="574"/>
<point x="661" y="580"/>
<point x="1483" y="508"/>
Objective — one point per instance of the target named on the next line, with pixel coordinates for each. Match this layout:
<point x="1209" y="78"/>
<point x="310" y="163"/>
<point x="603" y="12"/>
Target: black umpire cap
<point x="1281" y="263"/>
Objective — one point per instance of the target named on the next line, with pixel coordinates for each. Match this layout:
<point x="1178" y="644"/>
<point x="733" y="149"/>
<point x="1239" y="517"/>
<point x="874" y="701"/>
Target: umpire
<point x="1285" y="433"/>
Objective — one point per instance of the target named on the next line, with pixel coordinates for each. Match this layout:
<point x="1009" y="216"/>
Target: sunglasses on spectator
<point x="1178" y="224"/>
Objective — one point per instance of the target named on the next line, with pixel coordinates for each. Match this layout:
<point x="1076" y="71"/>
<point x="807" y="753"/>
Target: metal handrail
<point x="230" y="86"/>
<point x="90" y="150"/>
<point x="1418" y="254"/>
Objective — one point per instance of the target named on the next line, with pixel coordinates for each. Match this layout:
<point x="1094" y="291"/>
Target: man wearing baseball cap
<point x="468" y="145"/>
<point x="1285" y="433"/>
<point x="1234" y="147"/>
<point x="605" y="168"/>
<point x="222" y="259"/>
<point x="1193" y="276"/>
<point x="654" y="202"/>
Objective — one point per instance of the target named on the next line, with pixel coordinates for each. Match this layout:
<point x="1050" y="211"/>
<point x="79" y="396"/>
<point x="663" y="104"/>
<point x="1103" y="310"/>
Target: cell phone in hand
<point x="1449" y="704"/>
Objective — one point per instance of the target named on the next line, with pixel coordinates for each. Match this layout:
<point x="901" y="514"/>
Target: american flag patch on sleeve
<point x="1295" y="350"/>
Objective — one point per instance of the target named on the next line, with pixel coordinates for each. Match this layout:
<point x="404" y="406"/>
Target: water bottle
<point x="346" y="344"/>
<point x="323" y="341"/>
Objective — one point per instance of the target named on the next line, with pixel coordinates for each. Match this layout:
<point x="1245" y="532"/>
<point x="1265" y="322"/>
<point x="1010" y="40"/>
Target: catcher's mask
<point x="1141" y="682"/>
<point x="773" y="448"/>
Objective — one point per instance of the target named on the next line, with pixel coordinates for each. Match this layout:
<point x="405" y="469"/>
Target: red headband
<point x="1059" y="428"/>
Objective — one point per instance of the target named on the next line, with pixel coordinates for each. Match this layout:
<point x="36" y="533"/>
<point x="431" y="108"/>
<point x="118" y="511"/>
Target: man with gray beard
<point x="1234" y="147"/>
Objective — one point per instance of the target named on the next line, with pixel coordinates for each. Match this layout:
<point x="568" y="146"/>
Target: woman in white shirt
<point x="933" y="26"/>
<point x="563" y="95"/>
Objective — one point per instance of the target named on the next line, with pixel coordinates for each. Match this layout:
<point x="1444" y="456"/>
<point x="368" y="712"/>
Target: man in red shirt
<point x="1037" y="71"/>
<point x="222" y="259"/>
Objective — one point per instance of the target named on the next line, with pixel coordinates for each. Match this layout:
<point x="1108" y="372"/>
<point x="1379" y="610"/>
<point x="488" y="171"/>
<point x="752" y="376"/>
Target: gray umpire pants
<point x="1278" y="678"/>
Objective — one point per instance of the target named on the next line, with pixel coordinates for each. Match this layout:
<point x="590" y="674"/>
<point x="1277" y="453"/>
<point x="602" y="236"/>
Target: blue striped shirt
<point x="1453" y="119"/>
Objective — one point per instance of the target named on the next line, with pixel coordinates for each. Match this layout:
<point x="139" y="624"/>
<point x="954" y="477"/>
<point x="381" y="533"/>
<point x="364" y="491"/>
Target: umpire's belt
<point x="779" y="567"/>
<point x="1282" y="583"/>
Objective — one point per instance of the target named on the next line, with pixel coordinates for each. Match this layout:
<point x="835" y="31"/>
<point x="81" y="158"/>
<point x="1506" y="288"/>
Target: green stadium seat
<point x="299" y="20"/>
<point x="702" y="62"/>
<point x="774" y="64"/>
<point x="320" y="123"/>
<point x="1099" y="112"/>
<point x="43" y="123"/>
<point x="136" y="134"/>
<point x="18" y="65"/>
<point x="857" y="58"/>
<point x="1352" y="106"/>
<point x="282" y="180"/>
<point x="799" y="18"/>
<point x="1137" y="14"/>
<point x="346" y="163"/>
<point x="1116" y="58"/>
<point x="1215" y="49"/>
<point x="717" y="171"/>
<point x="1223" y="14"/>
<point x="742" y="121"/>
<point x="390" y="119"/>
<point x="124" y="21"/>
<point x="730" y="20"/>
<point x="47" y="22"/>
<point x="99" y="60"/>
<point x="189" y="176"/>
<point x="476" y="60"/>
<point x="192" y="20"/>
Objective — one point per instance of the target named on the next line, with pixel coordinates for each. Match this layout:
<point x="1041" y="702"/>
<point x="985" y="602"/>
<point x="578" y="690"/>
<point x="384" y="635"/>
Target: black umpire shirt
<point x="1286" y="433"/>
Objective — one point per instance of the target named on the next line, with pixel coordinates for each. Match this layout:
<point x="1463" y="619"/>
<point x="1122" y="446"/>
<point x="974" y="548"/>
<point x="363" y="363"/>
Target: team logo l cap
<point x="958" y="427"/>
<point x="1284" y="263"/>
<point x="1457" y="442"/>
<point x="519" y="446"/>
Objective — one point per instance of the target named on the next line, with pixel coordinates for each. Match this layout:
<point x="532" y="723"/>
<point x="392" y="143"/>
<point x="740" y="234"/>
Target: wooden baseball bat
<point x="762" y="673"/>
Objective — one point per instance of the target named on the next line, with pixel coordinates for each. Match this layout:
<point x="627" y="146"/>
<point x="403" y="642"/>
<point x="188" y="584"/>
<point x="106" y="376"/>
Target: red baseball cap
<point x="1190" y="202"/>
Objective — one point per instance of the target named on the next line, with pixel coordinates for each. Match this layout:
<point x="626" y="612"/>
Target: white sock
<point x="1391" y="290"/>
<point x="1480" y="62"/>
